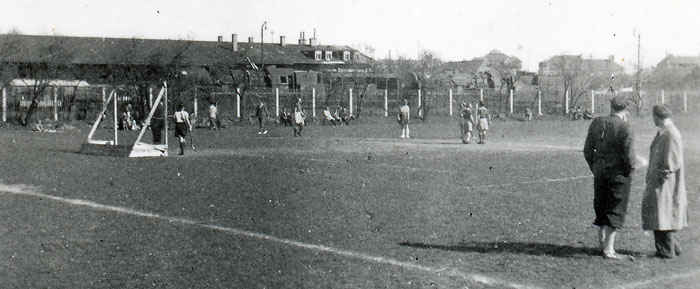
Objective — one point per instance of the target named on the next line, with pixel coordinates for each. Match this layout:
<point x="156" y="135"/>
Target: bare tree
<point x="10" y="48"/>
<point x="577" y="77"/>
<point x="37" y="65"/>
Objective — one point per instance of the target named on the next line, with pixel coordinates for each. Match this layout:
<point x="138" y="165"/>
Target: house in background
<point x="131" y="60"/>
<point x="299" y="65"/>
<point x="675" y="72"/>
<point x="681" y="63"/>
<point x="489" y="71"/>
<point x="593" y="73"/>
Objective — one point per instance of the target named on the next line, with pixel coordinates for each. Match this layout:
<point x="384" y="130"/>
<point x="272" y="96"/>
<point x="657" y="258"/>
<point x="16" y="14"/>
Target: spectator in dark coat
<point x="609" y="152"/>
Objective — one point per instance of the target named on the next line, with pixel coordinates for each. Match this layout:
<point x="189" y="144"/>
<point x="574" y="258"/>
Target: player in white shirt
<point x="403" y="118"/>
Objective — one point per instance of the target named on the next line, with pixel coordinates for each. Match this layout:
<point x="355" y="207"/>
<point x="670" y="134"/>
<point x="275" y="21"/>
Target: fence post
<point x="55" y="103"/>
<point x="663" y="97"/>
<point x="566" y="102"/>
<point x="238" y="103"/>
<point x="420" y="104"/>
<point x="116" y="124"/>
<point x="511" y="101"/>
<point x="350" y="100"/>
<point x="277" y="101"/>
<point x="592" y="101"/>
<point x="450" y="93"/>
<point x="313" y="101"/>
<point x="195" y="103"/>
<point x="685" y="101"/>
<point x="4" y="104"/>
<point x="539" y="102"/>
<point x="386" y="102"/>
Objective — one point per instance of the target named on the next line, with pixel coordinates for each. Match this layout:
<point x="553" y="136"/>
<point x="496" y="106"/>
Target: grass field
<point x="341" y="207"/>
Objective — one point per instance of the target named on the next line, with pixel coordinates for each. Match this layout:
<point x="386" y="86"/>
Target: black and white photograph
<point x="349" y="144"/>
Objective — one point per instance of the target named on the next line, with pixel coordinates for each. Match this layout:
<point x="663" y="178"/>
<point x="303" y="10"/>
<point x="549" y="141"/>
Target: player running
<point x="182" y="124"/>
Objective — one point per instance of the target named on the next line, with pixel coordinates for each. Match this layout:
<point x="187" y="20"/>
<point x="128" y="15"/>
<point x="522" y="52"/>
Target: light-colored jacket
<point x="665" y="202"/>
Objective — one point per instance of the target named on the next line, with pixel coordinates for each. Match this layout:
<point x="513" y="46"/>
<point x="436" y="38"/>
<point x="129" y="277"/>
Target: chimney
<point x="234" y="42"/>
<point x="313" y="41"/>
<point x="282" y="40"/>
<point x="220" y="39"/>
<point x="302" y="40"/>
<point x="250" y="39"/>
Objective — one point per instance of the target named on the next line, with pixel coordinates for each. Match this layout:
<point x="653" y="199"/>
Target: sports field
<point x="341" y="207"/>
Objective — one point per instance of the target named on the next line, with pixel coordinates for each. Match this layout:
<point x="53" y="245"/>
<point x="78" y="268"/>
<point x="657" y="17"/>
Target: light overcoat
<point x="665" y="202"/>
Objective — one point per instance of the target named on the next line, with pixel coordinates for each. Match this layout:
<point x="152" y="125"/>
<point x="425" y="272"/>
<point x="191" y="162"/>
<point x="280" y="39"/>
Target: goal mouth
<point x="139" y="148"/>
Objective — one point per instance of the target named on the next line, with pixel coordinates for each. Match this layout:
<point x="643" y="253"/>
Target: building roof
<point x="136" y="51"/>
<point x="680" y="60"/>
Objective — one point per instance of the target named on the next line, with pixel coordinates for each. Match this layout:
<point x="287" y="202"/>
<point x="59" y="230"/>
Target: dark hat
<point x="618" y="103"/>
<point x="661" y="111"/>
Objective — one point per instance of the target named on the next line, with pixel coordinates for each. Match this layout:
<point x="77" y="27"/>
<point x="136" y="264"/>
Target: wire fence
<point x="360" y="99"/>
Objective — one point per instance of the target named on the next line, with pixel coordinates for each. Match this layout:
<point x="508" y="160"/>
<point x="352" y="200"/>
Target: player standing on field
<point x="466" y="122"/>
<point x="298" y="118"/>
<point x="212" y="116"/>
<point x="403" y="118"/>
<point x="483" y="124"/>
<point x="260" y="113"/>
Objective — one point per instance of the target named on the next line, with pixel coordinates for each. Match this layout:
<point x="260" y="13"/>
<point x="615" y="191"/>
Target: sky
<point x="453" y="30"/>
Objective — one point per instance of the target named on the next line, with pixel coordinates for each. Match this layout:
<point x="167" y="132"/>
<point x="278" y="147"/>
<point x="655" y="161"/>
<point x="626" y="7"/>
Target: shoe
<point x="265" y="132"/>
<point x="662" y="256"/>
<point x="616" y="256"/>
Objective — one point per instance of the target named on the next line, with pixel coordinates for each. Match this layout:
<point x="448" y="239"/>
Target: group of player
<point x="468" y="120"/>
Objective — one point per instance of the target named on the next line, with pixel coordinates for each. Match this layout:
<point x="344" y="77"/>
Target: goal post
<point x="138" y="148"/>
<point x="142" y="149"/>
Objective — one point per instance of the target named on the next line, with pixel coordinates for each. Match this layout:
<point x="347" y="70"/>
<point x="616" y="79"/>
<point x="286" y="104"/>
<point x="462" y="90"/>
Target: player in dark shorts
<point x="182" y="125"/>
<point x="157" y="124"/>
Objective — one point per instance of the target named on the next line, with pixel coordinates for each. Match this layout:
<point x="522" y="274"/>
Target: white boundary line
<point x="25" y="190"/>
<point x="672" y="277"/>
<point x="539" y="181"/>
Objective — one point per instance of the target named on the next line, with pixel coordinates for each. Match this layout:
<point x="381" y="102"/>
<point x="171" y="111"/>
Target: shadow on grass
<point x="527" y="248"/>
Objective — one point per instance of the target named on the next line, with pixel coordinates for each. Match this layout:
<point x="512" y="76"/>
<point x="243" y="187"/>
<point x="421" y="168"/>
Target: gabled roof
<point x="136" y="51"/>
<point x="465" y="66"/>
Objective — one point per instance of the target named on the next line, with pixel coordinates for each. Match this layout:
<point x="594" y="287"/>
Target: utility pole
<point x="637" y="84"/>
<point x="262" y="44"/>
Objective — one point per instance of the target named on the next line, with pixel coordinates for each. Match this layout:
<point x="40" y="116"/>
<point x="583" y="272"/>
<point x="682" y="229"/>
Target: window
<point x="346" y="55"/>
<point x="329" y="55"/>
<point x="283" y="79"/>
<point x="318" y="55"/>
